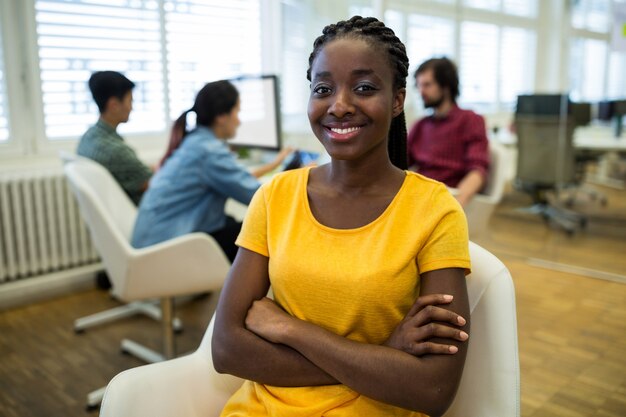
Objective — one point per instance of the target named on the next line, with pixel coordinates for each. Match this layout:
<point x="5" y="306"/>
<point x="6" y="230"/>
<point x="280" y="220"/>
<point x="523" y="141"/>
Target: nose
<point x="342" y="104"/>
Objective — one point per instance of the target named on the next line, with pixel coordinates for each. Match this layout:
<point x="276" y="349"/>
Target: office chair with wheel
<point x="546" y="166"/>
<point x="148" y="308"/>
<point x="186" y="265"/>
<point x="490" y="385"/>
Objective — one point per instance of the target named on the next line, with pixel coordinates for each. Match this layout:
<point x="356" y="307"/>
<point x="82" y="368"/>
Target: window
<point x="616" y="88"/>
<point x="592" y="15"/>
<point x="76" y="38"/>
<point x="526" y="8"/>
<point x="588" y="62"/>
<point x="208" y="41"/>
<point x="4" y="123"/>
<point x="517" y="64"/>
<point x="479" y="63"/>
<point x="427" y="37"/>
<point x="170" y="49"/>
<point x="295" y="44"/>
<point x="596" y="72"/>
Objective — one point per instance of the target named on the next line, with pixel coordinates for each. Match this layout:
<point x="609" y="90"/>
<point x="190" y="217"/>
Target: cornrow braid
<point x="375" y="32"/>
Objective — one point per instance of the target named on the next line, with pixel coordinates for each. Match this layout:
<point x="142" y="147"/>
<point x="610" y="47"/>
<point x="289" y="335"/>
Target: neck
<point x="108" y="119"/>
<point x="444" y="108"/>
<point x="218" y="132"/>
<point x="357" y="176"/>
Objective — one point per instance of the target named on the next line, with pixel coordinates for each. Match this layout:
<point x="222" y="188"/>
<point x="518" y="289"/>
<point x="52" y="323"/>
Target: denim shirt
<point x="190" y="190"/>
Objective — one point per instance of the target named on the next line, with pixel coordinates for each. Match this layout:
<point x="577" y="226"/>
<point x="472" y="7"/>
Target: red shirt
<point x="448" y="148"/>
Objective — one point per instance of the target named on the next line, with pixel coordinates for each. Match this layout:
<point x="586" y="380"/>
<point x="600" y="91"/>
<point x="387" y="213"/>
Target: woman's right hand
<point x="425" y="321"/>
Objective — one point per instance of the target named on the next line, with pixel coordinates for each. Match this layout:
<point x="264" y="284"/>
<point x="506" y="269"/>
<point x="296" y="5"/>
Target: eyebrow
<point x="358" y="72"/>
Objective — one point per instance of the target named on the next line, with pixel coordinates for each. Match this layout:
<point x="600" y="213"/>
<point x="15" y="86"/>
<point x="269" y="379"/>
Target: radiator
<point x="41" y="230"/>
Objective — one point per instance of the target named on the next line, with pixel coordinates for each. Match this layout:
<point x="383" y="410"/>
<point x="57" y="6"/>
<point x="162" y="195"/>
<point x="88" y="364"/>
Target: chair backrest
<point x="490" y="386"/>
<point x="479" y="210"/>
<point x="545" y="151"/>
<point x="497" y="171"/>
<point x="108" y="212"/>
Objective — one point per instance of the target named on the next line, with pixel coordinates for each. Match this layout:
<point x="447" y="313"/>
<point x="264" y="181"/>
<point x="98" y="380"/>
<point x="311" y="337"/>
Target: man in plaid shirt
<point x="450" y="145"/>
<point x="113" y="94"/>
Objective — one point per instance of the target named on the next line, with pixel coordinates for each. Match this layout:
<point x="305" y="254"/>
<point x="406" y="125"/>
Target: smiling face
<point x="352" y="99"/>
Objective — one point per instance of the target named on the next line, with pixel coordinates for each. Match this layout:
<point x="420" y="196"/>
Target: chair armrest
<point x="186" y="386"/>
<point x="188" y="264"/>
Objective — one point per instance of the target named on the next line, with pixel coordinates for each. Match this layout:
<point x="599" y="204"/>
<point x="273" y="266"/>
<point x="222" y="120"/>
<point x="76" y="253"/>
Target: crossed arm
<point x="418" y="367"/>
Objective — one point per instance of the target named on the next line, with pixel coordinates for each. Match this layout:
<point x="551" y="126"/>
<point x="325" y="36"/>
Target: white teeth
<point x="344" y="131"/>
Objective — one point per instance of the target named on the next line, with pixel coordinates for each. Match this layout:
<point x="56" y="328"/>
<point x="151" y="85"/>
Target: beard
<point x="431" y="103"/>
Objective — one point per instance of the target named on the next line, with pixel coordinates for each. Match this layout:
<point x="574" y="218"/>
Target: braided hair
<point x="376" y="33"/>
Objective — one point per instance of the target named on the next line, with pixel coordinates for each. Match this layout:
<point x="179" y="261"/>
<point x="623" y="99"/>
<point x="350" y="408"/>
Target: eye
<point x="321" y="90"/>
<point x="365" y="88"/>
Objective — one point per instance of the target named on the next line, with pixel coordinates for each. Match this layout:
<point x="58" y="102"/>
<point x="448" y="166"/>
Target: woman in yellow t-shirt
<point x="366" y="260"/>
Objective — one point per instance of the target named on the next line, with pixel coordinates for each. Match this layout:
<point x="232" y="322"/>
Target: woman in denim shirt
<point x="198" y="174"/>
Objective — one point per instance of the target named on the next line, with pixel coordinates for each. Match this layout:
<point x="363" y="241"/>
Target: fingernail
<point x="463" y="336"/>
<point x="461" y="320"/>
<point x="448" y="297"/>
<point x="453" y="349"/>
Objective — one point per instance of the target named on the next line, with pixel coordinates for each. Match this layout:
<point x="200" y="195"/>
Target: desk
<point x="590" y="140"/>
<point x="600" y="143"/>
<point x="593" y="139"/>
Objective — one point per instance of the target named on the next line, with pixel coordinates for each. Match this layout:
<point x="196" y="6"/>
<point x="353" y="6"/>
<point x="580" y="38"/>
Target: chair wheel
<point x="124" y="352"/>
<point x="91" y="408"/>
<point x="179" y="330"/>
<point x="79" y="331"/>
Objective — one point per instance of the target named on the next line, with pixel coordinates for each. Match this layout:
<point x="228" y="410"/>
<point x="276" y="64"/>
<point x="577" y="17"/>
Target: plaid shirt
<point x="102" y="144"/>
<point x="448" y="148"/>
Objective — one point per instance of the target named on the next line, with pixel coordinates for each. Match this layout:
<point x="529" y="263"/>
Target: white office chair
<point x="189" y="264"/>
<point x="490" y="386"/>
<point x="147" y="308"/>
<point x="480" y="209"/>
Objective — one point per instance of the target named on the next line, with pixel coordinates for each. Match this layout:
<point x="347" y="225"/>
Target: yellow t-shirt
<point x="358" y="283"/>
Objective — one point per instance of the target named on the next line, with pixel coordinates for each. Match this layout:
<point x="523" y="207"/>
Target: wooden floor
<point x="572" y="328"/>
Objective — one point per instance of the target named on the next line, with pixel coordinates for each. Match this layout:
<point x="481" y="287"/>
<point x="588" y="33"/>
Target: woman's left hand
<point x="267" y="320"/>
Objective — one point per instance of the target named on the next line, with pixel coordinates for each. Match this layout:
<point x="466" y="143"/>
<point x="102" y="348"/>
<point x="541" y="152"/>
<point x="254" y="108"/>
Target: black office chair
<point x="546" y="165"/>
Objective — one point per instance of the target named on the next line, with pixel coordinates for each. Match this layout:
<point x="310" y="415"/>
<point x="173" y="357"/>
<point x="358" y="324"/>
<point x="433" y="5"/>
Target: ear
<point x="112" y="104"/>
<point x="219" y="120"/>
<point x="398" y="101"/>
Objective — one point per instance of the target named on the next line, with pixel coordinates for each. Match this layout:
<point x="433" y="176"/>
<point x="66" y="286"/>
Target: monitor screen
<point x="259" y="114"/>
<point x="542" y="104"/>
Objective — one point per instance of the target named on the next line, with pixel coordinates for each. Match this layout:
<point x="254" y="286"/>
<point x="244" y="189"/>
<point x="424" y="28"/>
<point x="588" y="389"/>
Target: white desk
<point x="600" y="143"/>
<point x="589" y="138"/>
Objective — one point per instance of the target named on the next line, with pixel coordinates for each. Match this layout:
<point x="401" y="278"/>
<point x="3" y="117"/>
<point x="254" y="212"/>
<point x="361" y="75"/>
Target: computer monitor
<point x="581" y="112"/>
<point x="259" y="114"/>
<point x="542" y="104"/>
<point x="552" y="105"/>
<point x="613" y="111"/>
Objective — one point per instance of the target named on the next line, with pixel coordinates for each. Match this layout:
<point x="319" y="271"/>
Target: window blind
<point x="79" y="37"/>
<point x="517" y="63"/>
<point x="617" y="75"/>
<point x="208" y="40"/>
<point x="526" y="8"/>
<point x="479" y="62"/>
<point x="591" y="15"/>
<point x="427" y="37"/>
<point x="296" y="45"/>
<point x="587" y="69"/>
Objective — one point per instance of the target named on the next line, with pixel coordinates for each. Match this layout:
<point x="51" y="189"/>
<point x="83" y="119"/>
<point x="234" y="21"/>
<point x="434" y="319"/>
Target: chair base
<point x="147" y="308"/>
<point x="148" y="355"/>
<point x="568" y="220"/>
